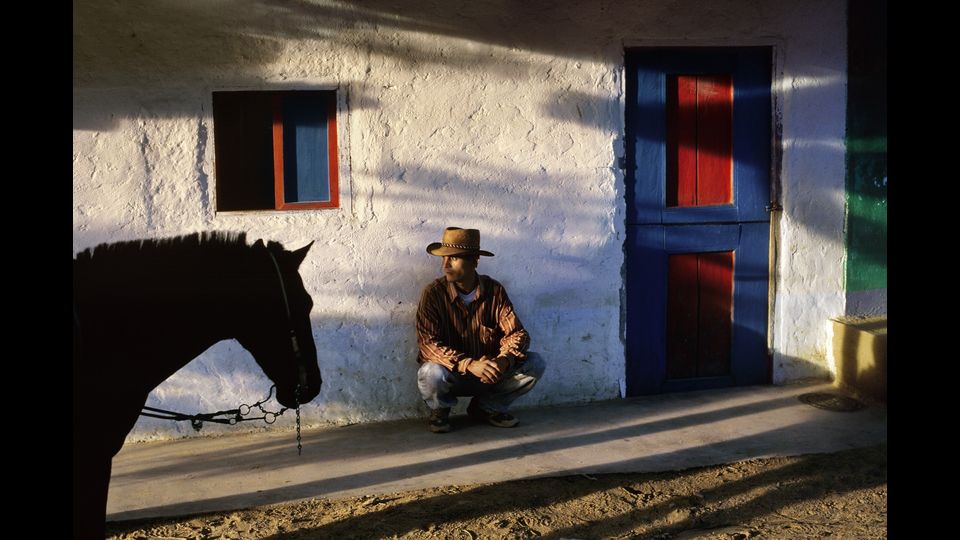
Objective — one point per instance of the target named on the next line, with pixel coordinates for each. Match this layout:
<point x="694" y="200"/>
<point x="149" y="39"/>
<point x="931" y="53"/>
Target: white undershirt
<point x="468" y="297"/>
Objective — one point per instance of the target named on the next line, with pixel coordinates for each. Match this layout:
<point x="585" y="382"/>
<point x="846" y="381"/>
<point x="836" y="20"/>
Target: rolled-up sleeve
<point x="515" y="341"/>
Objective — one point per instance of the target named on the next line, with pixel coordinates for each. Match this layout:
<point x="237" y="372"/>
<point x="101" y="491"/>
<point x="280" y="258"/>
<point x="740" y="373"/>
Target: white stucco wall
<point x="811" y="258"/>
<point x="507" y="117"/>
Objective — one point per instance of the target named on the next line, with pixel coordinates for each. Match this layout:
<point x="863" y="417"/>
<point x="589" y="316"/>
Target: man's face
<point x="457" y="268"/>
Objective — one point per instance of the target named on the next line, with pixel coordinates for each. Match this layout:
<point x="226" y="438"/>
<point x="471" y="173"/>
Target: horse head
<point x="278" y="333"/>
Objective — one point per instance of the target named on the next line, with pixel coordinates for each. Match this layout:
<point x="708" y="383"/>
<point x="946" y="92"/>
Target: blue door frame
<point x="655" y="231"/>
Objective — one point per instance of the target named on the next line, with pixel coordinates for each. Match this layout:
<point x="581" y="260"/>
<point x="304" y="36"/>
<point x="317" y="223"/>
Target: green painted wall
<point x="866" y="182"/>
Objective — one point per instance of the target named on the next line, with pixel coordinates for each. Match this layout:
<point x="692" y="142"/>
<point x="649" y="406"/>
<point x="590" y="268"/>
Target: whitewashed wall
<point x="502" y="116"/>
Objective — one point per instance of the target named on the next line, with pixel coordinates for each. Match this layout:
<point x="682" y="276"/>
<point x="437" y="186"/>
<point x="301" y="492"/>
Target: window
<point x="276" y="150"/>
<point x="699" y="140"/>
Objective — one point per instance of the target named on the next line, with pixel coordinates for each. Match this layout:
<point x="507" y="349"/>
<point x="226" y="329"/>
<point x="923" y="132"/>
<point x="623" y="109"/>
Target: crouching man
<point x="471" y="342"/>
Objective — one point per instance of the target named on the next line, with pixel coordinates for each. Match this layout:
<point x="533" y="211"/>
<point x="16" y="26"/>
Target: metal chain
<point x="296" y="396"/>
<point x="299" y="446"/>
<point x="236" y="415"/>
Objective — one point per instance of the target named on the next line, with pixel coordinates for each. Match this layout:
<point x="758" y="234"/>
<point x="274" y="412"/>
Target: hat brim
<point x="440" y="250"/>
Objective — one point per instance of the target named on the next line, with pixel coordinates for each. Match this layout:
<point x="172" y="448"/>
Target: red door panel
<point x="716" y="313"/>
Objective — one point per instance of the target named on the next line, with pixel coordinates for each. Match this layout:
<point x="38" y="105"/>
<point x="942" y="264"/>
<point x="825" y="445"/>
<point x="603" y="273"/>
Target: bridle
<point x="301" y="363"/>
<point x="239" y="414"/>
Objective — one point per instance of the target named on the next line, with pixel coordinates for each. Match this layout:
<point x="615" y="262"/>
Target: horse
<point x="143" y="309"/>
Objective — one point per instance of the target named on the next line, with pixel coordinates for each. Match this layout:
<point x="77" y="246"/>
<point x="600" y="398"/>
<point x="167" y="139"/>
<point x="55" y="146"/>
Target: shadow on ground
<point x="842" y="493"/>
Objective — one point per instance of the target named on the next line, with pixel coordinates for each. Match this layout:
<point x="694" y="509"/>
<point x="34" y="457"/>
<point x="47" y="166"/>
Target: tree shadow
<point x="643" y="511"/>
<point x="551" y="443"/>
<point x="808" y="477"/>
<point x="325" y="445"/>
<point x="813" y="476"/>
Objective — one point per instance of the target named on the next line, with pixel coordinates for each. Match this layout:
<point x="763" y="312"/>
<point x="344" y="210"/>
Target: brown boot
<point x="440" y="420"/>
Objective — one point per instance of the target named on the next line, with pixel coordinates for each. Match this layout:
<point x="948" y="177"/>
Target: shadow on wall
<point x="380" y="349"/>
<point x="101" y="109"/>
<point x="137" y="49"/>
<point x="129" y="49"/>
<point x="177" y="41"/>
<point x="520" y="206"/>
<point x="597" y="112"/>
<point x="125" y="48"/>
<point x="184" y="42"/>
<point x="819" y="211"/>
<point x="799" y="370"/>
<point x="179" y="44"/>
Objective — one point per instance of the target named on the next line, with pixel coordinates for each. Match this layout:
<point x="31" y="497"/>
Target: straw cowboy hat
<point x="457" y="241"/>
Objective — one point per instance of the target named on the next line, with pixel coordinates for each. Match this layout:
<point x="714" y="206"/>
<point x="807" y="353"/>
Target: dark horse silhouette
<point x="144" y="309"/>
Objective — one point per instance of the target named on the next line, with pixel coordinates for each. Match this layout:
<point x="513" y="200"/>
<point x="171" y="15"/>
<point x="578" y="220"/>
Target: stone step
<point x="860" y="355"/>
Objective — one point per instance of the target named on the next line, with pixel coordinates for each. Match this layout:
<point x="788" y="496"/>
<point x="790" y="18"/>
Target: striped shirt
<point x="453" y="335"/>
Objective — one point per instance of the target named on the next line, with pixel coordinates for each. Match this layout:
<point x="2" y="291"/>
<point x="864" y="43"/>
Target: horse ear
<point x="258" y="243"/>
<point x="301" y="254"/>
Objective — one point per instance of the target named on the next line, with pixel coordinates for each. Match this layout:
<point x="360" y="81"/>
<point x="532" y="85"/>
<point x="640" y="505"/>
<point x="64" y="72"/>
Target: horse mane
<point x="188" y="244"/>
<point x="216" y="240"/>
<point x="137" y="263"/>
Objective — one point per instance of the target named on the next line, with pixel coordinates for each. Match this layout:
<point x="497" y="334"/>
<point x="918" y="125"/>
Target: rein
<point x="238" y="414"/>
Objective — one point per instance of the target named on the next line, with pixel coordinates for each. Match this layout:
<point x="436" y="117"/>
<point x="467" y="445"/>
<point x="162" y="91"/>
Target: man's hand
<point x="503" y="363"/>
<point x="488" y="370"/>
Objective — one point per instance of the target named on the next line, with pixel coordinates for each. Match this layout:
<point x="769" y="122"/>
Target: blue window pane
<point x="306" y="169"/>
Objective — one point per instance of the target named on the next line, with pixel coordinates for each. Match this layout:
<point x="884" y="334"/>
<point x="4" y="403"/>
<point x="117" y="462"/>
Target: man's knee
<point x="534" y="365"/>
<point x="432" y="375"/>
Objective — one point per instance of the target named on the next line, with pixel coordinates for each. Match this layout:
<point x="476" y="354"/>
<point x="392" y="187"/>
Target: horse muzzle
<point x="303" y="391"/>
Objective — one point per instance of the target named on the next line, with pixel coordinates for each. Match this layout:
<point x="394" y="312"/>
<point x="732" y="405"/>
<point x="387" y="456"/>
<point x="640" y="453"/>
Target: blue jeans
<point x="439" y="387"/>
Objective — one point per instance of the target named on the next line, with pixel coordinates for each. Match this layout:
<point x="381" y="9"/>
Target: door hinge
<point x="773" y="206"/>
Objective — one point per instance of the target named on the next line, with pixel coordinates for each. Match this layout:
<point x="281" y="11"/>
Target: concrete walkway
<point x="652" y="433"/>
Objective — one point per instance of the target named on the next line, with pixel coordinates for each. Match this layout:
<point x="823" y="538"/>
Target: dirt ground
<point x="839" y="495"/>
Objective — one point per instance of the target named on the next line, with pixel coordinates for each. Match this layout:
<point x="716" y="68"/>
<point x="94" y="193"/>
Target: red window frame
<point x="279" y="202"/>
